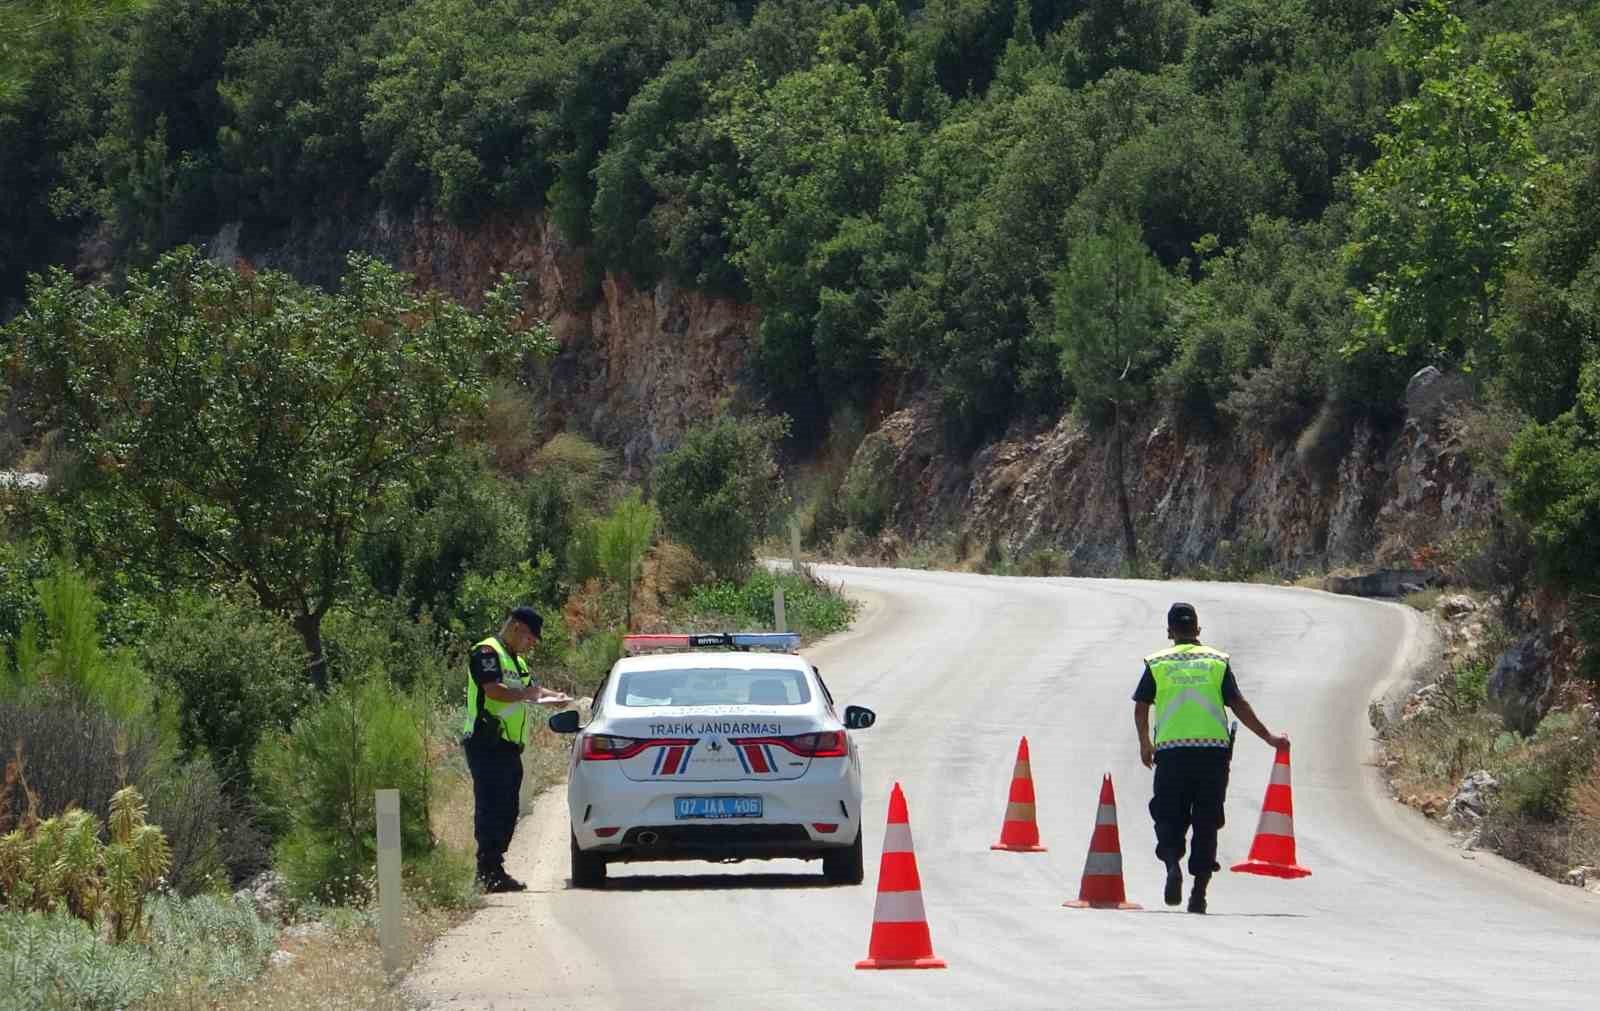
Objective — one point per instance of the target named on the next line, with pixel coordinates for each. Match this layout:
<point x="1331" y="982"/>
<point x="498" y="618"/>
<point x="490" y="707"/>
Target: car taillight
<point x="823" y="744"/>
<point x="611" y="748"/>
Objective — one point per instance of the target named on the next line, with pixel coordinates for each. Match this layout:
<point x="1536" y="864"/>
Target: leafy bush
<point x="811" y="606"/>
<point x="235" y="674"/>
<point x="719" y="489"/>
<point x="318" y="779"/>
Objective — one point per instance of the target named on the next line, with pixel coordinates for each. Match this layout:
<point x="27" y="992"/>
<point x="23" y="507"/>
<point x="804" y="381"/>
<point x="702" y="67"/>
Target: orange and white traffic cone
<point x="1102" y="886"/>
<point x="899" y="925"/>
<point x="1272" y="853"/>
<point x="1020" y="832"/>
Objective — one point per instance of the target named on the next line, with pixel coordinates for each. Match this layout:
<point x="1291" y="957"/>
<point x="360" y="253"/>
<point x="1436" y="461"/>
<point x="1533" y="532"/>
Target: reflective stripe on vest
<point x="513" y="716"/>
<point x="1189" y="705"/>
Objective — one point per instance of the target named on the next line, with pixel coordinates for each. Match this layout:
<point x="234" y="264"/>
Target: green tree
<point x="235" y="426"/>
<point x="1436" y="214"/>
<point x="720" y="490"/>
<point x="1110" y="301"/>
<point x="23" y="22"/>
<point x="621" y="539"/>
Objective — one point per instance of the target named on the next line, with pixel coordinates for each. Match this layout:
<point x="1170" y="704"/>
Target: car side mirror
<point x="859" y="717"/>
<point x="565" y="722"/>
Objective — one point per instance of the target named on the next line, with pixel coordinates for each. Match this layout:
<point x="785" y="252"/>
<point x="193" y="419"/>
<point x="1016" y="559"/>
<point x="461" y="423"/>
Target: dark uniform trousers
<point x="496" y="766"/>
<point x="1191" y="785"/>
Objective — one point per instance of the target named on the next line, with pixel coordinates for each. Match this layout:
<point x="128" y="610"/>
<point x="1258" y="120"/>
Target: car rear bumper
<point x="642" y="815"/>
<point x="759" y="841"/>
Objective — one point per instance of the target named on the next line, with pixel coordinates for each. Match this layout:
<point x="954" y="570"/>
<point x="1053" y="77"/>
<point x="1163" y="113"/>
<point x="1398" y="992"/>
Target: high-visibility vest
<point x="1189" y="705"/>
<point x="512" y="716"/>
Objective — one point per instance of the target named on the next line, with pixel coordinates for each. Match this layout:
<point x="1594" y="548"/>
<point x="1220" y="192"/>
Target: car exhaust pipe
<point x="648" y="838"/>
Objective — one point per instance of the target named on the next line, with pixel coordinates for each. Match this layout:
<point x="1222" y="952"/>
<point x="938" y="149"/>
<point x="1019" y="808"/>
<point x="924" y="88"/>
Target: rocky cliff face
<point x="636" y="367"/>
<point x="1344" y="498"/>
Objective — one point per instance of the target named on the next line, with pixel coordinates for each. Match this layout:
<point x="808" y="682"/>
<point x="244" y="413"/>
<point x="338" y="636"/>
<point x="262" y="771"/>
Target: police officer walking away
<point x="1189" y="684"/>
<point x="499" y="690"/>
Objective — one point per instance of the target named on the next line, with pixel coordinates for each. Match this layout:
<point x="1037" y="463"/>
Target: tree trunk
<point x="310" y="628"/>
<point x="1130" y="541"/>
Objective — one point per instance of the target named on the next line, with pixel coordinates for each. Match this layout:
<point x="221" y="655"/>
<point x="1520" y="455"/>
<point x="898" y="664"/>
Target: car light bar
<point x="787" y="642"/>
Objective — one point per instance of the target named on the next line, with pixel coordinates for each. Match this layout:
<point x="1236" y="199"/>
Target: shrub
<point x="73" y="754"/>
<point x="621" y="539"/>
<point x="197" y="943"/>
<point x="720" y="491"/>
<point x="869" y="488"/>
<point x="442" y="878"/>
<point x="592" y="658"/>
<point x="65" y="655"/>
<point x="61" y="862"/>
<point x="811" y="607"/>
<point x="318" y="780"/>
<point x="1538" y="784"/>
<point x="235" y="673"/>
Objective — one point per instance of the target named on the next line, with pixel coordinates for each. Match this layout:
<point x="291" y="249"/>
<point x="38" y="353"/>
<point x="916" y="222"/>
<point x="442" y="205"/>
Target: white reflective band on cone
<point x="1273" y="823"/>
<point x="1022" y="771"/>
<point x="897" y="839"/>
<point x="1280" y="775"/>
<point x="1017" y="811"/>
<point x="899" y="907"/>
<point x="1106" y="815"/>
<point x="1103" y="863"/>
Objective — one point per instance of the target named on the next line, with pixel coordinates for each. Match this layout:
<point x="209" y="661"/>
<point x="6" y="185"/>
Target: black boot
<point x="1197" y="894"/>
<point x="1174" y="893"/>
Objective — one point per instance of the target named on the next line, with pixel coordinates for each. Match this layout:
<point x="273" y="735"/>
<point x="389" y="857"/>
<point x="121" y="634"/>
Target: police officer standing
<point x="1189" y="684"/>
<point x="499" y="690"/>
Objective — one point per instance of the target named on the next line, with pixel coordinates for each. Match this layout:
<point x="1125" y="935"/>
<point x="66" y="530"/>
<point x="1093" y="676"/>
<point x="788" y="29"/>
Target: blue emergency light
<point x="786" y="642"/>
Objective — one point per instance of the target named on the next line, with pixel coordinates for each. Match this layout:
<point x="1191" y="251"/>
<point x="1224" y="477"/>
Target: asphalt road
<point x="957" y="668"/>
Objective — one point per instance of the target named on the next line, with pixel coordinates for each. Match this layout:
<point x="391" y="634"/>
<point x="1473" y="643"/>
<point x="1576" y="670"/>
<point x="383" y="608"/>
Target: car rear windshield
<point x="713" y="686"/>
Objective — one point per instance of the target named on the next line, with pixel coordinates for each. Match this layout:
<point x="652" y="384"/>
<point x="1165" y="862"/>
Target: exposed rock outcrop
<point x="1522" y="686"/>
<point x="637" y="365"/>
<point x="1197" y="499"/>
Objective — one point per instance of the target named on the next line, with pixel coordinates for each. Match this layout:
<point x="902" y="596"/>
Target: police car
<point x="718" y="747"/>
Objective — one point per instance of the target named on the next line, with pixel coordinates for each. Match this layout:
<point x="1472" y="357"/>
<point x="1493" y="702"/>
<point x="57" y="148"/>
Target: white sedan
<point x="704" y="749"/>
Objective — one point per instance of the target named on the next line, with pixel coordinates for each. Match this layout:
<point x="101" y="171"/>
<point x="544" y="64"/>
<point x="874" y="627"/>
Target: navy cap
<point x="529" y="617"/>
<point x="1181" y="615"/>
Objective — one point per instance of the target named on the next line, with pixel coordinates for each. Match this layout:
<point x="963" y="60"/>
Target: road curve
<point x="958" y="667"/>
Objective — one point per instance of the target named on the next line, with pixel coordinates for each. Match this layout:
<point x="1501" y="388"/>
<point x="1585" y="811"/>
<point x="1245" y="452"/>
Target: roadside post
<point x="778" y="617"/>
<point x="390" y="930"/>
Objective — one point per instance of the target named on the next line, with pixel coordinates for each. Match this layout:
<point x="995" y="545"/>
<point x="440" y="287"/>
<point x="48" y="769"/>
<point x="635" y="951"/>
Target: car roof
<point x="712" y="659"/>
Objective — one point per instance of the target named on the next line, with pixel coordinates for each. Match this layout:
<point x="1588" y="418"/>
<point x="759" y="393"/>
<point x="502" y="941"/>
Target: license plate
<point x="717" y="807"/>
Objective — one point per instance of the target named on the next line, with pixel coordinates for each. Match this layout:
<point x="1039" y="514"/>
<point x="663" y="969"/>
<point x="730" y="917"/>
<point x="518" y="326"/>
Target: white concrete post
<point x="391" y="932"/>
<point x="794" y="544"/>
<point x="779" y="618"/>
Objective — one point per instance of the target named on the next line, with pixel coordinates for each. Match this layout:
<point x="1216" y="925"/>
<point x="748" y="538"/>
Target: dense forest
<point x="1333" y="192"/>
<point x="1314" y="197"/>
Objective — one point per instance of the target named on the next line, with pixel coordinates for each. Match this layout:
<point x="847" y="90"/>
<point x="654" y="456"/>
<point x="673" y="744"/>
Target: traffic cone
<point x="1102" y="886"/>
<point x="1272" y="853"/>
<point x="899" y="926"/>
<point x="1020" y="833"/>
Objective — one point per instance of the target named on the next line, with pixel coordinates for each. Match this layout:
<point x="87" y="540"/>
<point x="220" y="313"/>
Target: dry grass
<point x="574" y="455"/>
<point x="339" y="966"/>
<point x="1423" y="600"/>
<point x="511" y="429"/>
<point x="1586" y="817"/>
